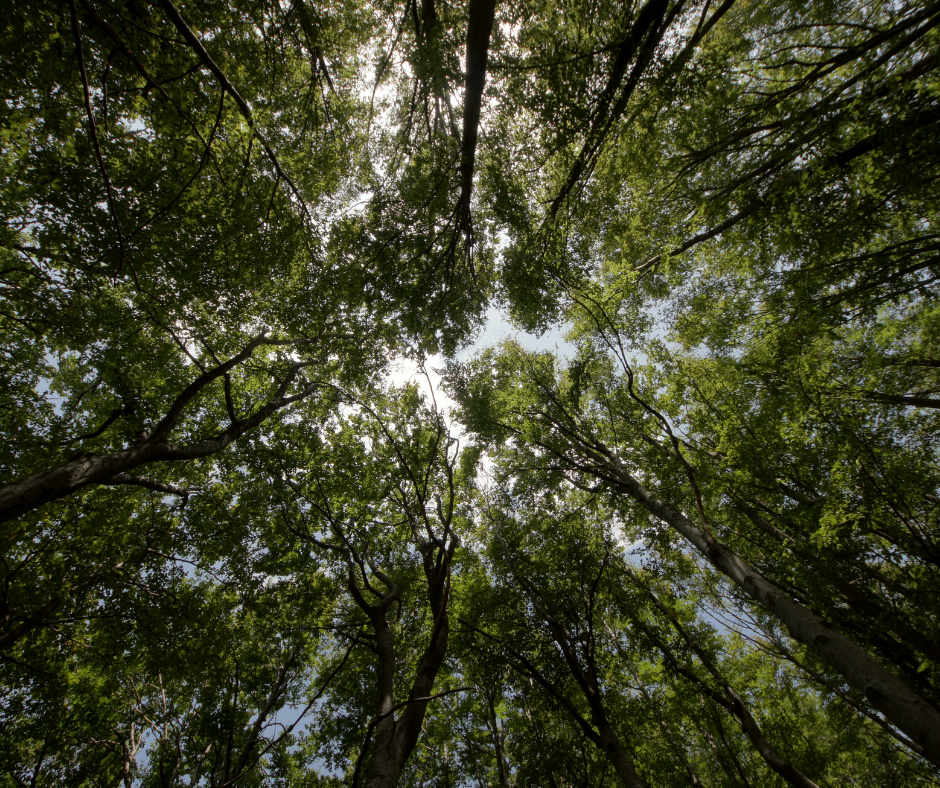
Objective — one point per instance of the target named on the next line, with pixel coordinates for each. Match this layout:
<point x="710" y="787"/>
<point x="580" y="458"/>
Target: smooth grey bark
<point x="853" y="596"/>
<point x="622" y="763"/>
<point x="388" y="760"/>
<point x="901" y="705"/>
<point x="886" y="692"/>
<point x="849" y="700"/>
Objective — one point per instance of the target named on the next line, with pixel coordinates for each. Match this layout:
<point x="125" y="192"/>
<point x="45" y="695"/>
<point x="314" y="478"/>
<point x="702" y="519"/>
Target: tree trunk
<point x="386" y="761"/>
<point x="395" y="740"/>
<point x="887" y="693"/>
<point x="480" y="25"/>
<point x="622" y="763"/>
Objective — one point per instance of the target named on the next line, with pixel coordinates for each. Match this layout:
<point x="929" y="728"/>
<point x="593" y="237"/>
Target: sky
<point x="496" y="328"/>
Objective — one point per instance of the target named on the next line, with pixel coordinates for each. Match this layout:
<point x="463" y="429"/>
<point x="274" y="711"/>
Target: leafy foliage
<point x="699" y="547"/>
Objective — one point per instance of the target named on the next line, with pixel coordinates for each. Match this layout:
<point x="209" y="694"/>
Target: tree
<point x="420" y="494"/>
<point x="702" y="549"/>
<point x="577" y="433"/>
<point x="575" y="633"/>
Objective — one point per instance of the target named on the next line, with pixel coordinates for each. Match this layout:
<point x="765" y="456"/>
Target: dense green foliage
<point x="699" y="547"/>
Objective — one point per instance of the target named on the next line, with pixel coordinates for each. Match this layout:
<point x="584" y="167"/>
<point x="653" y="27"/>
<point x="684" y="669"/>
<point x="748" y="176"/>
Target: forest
<point x="697" y="544"/>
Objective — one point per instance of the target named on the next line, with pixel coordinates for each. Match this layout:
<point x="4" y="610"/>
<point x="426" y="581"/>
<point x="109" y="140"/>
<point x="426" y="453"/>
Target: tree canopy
<point x="699" y="545"/>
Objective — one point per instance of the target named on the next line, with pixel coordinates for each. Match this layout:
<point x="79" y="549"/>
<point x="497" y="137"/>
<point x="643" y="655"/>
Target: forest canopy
<point x="701" y="546"/>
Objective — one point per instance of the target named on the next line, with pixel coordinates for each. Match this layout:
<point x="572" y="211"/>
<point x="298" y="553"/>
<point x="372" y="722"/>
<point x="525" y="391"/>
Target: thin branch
<point x="196" y="45"/>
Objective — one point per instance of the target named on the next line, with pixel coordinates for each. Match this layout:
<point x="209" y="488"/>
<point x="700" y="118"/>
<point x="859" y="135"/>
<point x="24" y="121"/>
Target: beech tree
<point x="697" y="546"/>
